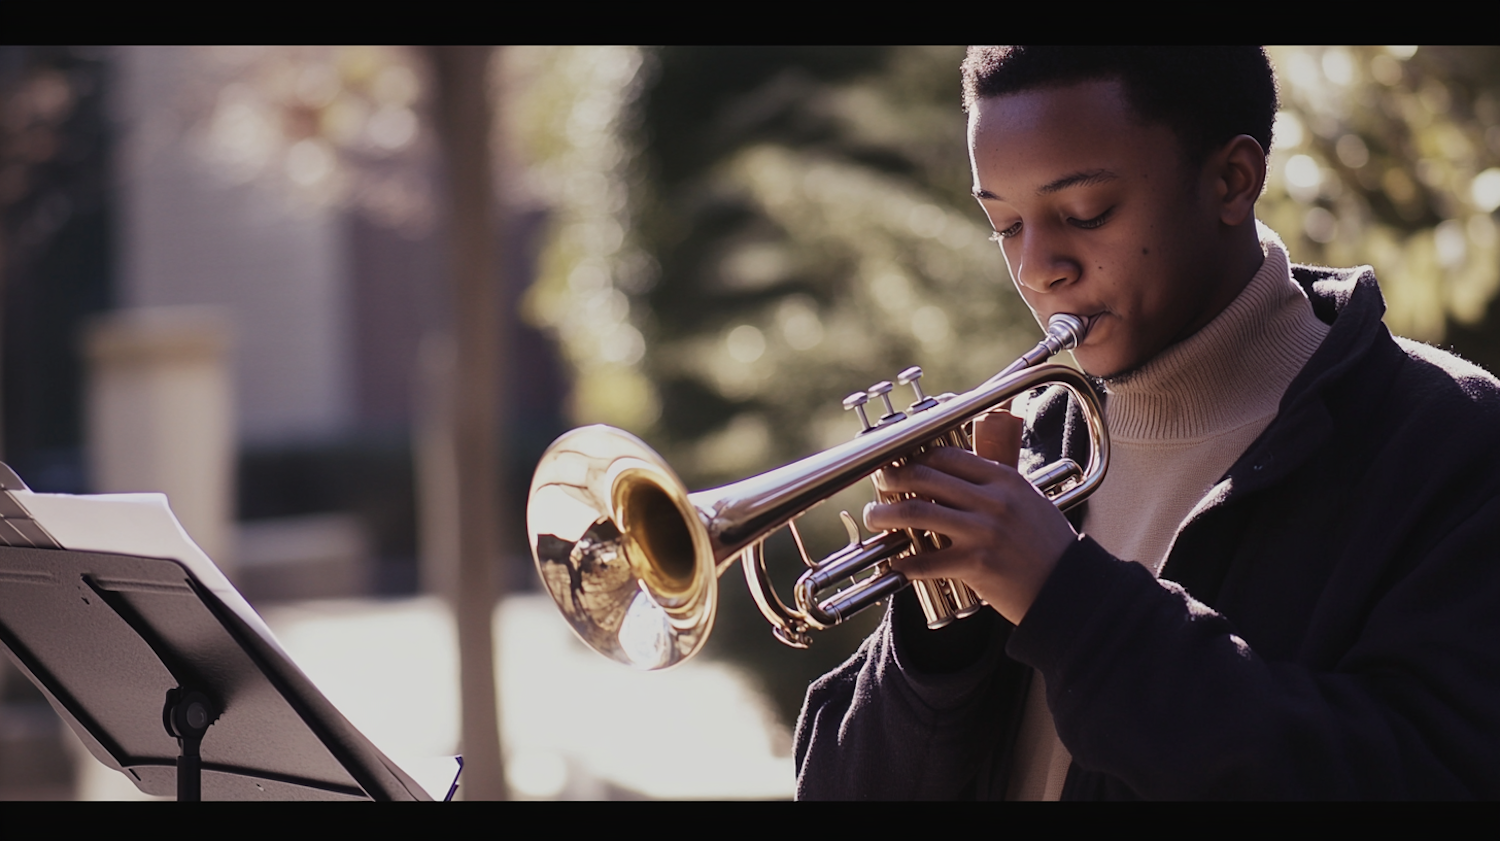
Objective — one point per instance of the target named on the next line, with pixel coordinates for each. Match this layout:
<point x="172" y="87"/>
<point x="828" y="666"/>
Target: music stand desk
<point x="108" y="606"/>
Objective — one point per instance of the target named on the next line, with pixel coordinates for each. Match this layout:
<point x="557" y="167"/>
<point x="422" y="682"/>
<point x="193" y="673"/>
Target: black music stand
<point x="166" y="682"/>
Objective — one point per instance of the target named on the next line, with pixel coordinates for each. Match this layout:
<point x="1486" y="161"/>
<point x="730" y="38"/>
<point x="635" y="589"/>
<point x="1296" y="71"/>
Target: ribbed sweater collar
<point x="1230" y="373"/>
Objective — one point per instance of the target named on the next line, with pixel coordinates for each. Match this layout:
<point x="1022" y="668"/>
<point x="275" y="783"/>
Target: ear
<point x="1240" y="175"/>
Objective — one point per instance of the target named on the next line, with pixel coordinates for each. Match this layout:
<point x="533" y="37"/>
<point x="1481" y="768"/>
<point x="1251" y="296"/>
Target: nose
<point x="1039" y="262"/>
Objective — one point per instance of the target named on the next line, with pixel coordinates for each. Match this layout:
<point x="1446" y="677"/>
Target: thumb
<point x="997" y="437"/>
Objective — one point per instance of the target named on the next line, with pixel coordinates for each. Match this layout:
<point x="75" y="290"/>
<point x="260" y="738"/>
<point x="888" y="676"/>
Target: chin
<point x="1093" y="363"/>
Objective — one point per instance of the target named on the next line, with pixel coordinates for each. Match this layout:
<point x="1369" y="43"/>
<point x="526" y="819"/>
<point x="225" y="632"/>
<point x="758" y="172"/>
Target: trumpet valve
<point x="857" y="401"/>
<point x="882" y="390"/>
<point x="912" y="376"/>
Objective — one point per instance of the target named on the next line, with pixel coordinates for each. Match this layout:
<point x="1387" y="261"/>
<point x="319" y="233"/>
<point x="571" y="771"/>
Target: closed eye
<point x="1007" y="233"/>
<point x="1086" y="224"/>
<point x="1094" y="222"/>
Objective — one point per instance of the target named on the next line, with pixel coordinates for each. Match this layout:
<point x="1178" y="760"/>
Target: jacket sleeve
<point x="1157" y="690"/>
<point x="881" y="728"/>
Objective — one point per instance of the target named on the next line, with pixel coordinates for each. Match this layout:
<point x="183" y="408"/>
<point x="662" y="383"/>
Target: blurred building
<point x="158" y="186"/>
<point x="126" y="186"/>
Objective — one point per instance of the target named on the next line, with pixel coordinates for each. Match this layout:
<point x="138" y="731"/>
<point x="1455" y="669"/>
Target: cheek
<point x="1144" y="270"/>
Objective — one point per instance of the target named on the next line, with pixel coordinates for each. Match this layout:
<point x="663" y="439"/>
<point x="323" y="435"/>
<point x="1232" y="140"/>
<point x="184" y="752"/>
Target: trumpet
<point x="633" y="559"/>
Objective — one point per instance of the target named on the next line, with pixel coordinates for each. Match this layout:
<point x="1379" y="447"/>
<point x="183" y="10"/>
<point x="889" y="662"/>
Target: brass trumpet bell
<point x="622" y="548"/>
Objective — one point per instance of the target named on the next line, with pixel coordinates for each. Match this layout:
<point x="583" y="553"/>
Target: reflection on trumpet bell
<point x="632" y="559"/>
<point x="617" y="545"/>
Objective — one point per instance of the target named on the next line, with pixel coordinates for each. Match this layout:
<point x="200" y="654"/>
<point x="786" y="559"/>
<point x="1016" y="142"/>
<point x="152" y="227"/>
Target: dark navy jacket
<point x="1327" y="626"/>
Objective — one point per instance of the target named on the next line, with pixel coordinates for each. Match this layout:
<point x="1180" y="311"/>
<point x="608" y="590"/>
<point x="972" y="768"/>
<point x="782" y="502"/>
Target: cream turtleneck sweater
<point x="1176" y="427"/>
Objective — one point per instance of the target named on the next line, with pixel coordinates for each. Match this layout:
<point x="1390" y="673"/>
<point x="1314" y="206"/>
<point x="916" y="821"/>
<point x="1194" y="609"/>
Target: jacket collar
<point x="1349" y="301"/>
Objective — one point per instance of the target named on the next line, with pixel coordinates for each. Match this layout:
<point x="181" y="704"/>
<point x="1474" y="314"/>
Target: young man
<point x="1288" y="585"/>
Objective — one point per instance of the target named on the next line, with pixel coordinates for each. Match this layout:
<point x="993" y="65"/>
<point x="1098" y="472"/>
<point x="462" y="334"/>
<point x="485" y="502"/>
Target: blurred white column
<point x="160" y="415"/>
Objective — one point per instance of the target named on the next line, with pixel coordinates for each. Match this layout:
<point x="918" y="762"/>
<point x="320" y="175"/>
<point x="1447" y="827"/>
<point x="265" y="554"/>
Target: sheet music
<point x="140" y="524"/>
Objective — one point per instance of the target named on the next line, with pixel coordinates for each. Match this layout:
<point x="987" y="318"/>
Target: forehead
<point x="1029" y="139"/>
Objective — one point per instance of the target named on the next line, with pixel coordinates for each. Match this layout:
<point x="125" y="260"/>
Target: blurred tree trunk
<point x="463" y="116"/>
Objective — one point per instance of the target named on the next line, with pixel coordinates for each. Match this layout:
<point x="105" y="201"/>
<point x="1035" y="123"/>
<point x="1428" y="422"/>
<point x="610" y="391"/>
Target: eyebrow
<point x="1084" y="178"/>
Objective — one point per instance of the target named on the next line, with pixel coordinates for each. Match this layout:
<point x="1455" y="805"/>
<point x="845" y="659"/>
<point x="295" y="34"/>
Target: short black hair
<point x="1206" y="95"/>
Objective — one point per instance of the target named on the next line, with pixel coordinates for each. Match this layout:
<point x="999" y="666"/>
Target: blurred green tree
<point x="1390" y="156"/>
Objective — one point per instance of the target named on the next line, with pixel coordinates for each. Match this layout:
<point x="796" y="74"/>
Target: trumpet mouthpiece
<point x="1067" y="329"/>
